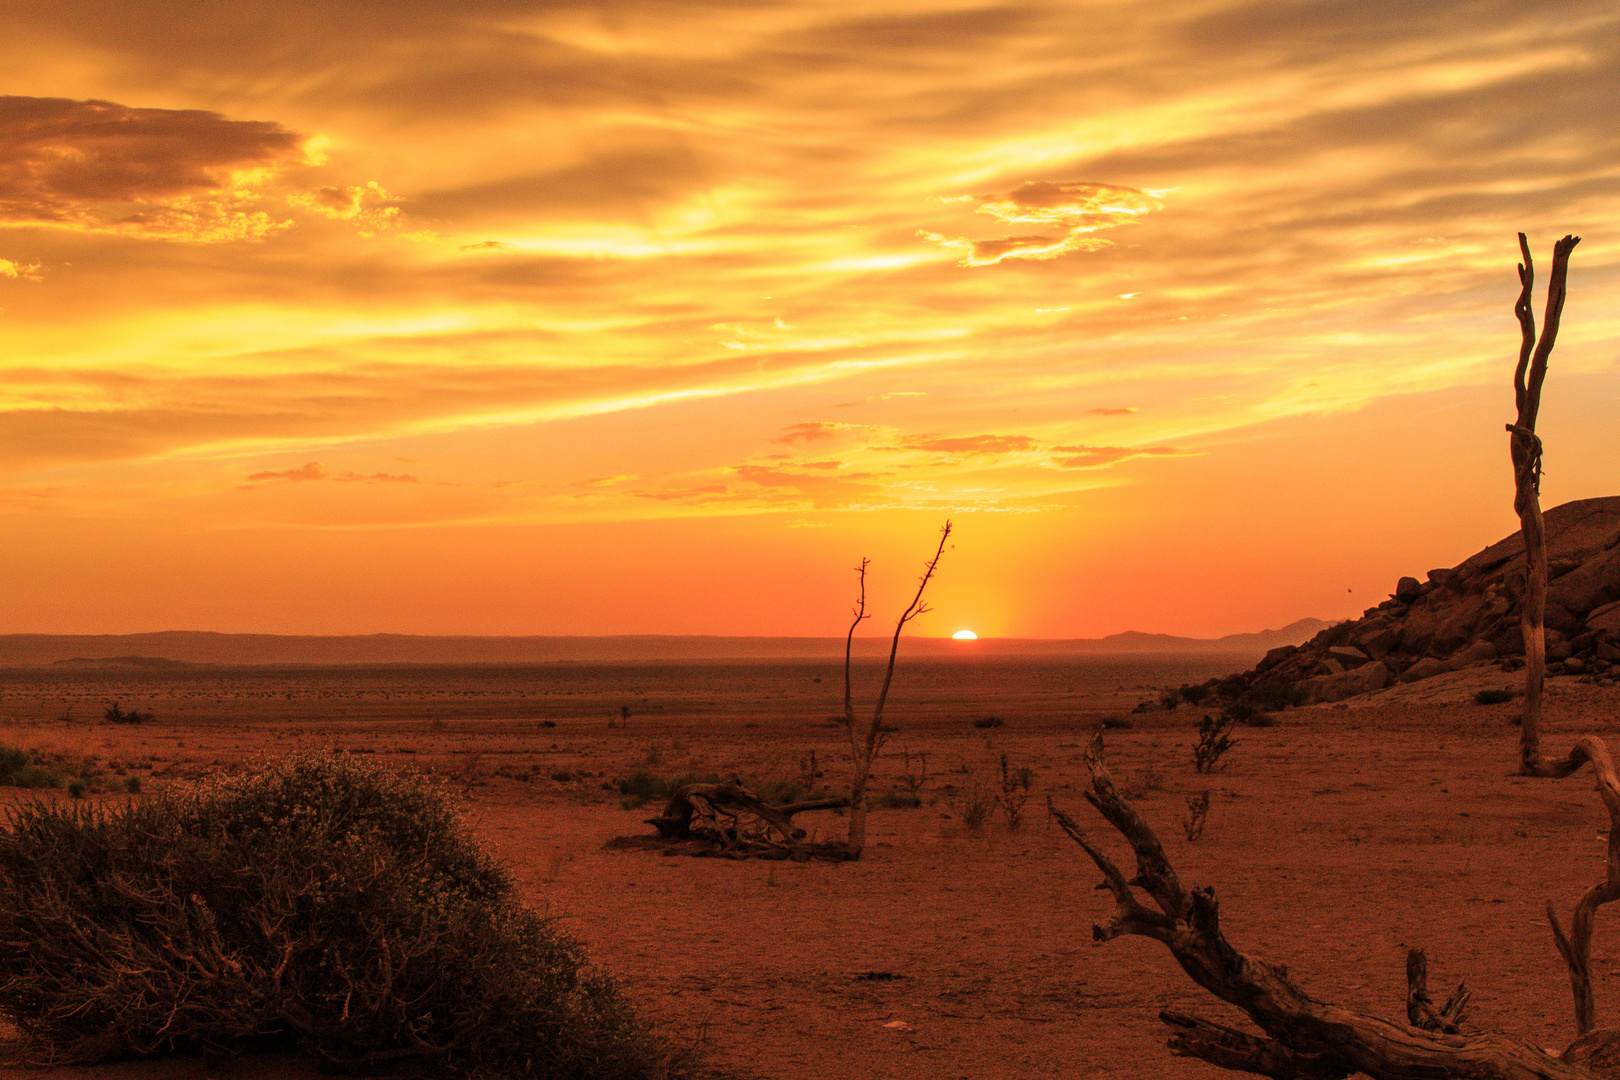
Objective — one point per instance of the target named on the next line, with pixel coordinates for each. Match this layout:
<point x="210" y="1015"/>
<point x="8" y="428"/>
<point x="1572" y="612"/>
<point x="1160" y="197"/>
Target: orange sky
<point x="485" y="316"/>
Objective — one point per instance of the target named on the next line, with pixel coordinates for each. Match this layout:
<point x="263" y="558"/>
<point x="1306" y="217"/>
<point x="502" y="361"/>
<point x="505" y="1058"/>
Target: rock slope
<point x="1462" y="616"/>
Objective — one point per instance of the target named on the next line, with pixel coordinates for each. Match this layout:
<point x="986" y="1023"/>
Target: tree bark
<point x="1525" y="449"/>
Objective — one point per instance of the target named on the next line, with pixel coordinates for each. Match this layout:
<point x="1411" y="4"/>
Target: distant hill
<point x="165" y="649"/>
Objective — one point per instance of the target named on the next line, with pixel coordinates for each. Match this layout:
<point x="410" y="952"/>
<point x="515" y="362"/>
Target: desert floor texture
<point x="1335" y="839"/>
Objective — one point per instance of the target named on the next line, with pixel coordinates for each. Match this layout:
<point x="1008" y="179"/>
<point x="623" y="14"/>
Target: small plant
<point x="975" y="805"/>
<point x="1120" y="723"/>
<point x="654" y="754"/>
<point x="1194" y="693"/>
<point x="1492" y="697"/>
<point x="915" y="776"/>
<point x="1214" y="740"/>
<point x="132" y="784"/>
<point x="1014" y="792"/>
<point x="1197" y="814"/>
<point x="899" y="800"/>
<point x="116" y="715"/>
<point x="1144" y="783"/>
<point x="76" y="789"/>
<point x="988" y="722"/>
<point x="1169" y="700"/>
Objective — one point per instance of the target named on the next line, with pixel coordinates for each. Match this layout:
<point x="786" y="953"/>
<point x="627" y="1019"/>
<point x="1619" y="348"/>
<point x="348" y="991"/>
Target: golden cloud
<point x="1100" y="457"/>
<point x="180" y="174"/>
<point x="972" y="444"/>
<point x="1076" y="209"/>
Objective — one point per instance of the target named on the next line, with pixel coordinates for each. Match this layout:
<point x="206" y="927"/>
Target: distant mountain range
<point x="168" y="648"/>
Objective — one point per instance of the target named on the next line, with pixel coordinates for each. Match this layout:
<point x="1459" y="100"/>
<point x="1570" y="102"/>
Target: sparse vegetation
<point x="320" y="901"/>
<point x="974" y="805"/>
<point x="115" y="715"/>
<point x="1214" y="740"/>
<point x="900" y="800"/>
<point x="1493" y="697"/>
<point x="1197" y="814"/>
<point x="988" y="722"/>
<point x="1014" y="792"/>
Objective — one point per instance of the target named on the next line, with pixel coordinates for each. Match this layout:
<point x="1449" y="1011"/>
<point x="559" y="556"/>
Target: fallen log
<point x="1302" y="1037"/>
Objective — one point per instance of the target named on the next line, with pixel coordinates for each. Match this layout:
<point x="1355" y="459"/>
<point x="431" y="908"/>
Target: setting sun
<point x="965" y="635"/>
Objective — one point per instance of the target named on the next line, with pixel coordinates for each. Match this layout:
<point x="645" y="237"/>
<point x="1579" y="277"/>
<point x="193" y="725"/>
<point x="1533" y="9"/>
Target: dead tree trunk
<point x="1303" y="1037"/>
<point x="734" y="821"/>
<point x="866" y="739"/>
<point x="1525" y="448"/>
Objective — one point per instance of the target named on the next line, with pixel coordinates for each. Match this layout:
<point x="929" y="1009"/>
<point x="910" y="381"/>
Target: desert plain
<point x="1335" y="839"/>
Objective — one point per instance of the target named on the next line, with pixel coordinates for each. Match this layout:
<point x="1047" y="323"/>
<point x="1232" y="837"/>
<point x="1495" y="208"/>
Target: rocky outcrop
<point x="1463" y="616"/>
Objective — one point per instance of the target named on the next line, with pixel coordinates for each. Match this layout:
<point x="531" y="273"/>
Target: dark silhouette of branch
<point x="1525" y="448"/>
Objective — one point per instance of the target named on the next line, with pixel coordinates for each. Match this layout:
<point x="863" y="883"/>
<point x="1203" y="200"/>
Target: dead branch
<point x="1525" y="449"/>
<point x="1303" y="1037"/>
<point x="730" y="814"/>
<point x="865" y="740"/>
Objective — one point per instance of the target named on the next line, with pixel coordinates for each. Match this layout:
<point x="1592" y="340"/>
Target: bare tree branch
<point x="1305" y="1038"/>
<point x="1525" y="449"/>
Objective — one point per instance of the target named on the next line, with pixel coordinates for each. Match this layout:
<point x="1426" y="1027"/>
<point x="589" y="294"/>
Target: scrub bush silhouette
<point x="319" y="903"/>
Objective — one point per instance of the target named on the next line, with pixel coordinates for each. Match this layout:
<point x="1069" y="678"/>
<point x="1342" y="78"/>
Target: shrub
<point x="1492" y="697"/>
<point x="1194" y="693"/>
<point x="115" y="715"/>
<point x="988" y="722"/>
<point x="1121" y="723"/>
<point x="19" y="769"/>
<point x="900" y="800"/>
<point x="1014" y="792"/>
<point x="1274" y="695"/>
<point x="975" y="805"/>
<point x="320" y="902"/>
<point x="1197" y="815"/>
<point x="1214" y="740"/>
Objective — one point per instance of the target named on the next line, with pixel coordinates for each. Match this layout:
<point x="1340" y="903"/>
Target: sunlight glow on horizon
<point x="1188" y="321"/>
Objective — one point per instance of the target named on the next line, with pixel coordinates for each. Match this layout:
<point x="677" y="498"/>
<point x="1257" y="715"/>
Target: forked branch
<point x="1302" y="1037"/>
<point x="1524" y="447"/>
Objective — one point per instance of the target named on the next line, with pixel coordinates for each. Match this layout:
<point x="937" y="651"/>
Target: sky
<point x="502" y="317"/>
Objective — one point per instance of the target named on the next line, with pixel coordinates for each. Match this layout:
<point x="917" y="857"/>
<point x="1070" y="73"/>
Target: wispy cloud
<point x="1068" y="215"/>
<point x="1100" y="457"/>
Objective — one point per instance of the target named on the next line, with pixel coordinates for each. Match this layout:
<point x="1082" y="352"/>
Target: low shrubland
<point x="317" y="902"/>
<point x="36" y="768"/>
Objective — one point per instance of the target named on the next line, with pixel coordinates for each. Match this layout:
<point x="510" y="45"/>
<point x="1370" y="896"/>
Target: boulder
<point x="1428" y="667"/>
<point x="1470" y="614"/>
<point x="1606" y="617"/>
<point x="1360" y="680"/>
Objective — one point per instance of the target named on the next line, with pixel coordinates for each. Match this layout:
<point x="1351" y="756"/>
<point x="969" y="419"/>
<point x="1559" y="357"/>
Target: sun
<point x="965" y="635"/>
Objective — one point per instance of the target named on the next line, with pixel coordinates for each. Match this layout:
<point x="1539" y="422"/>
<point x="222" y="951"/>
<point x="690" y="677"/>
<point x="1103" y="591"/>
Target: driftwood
<point x="1525" y="448"/>
<point x="1303" y="1037"/>
<point x="730" y="820"/>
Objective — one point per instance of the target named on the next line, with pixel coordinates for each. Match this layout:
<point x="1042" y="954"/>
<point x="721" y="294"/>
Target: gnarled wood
<point x="722" y="813"/>
<point x="1525" y="449"/>
<point x="1312" y="1038"/>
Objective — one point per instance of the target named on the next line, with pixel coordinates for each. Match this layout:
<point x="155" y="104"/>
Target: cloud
<point x="1068" y="212"/>
<point x="1101" y="457"/>
<point x="972" y="444"/>
<point x="311" y="471"/>
<point x="174" y="173"/>
<point x="14" y="270"/>
<point x="1111" y="412"/>
<point x="315" y="471"/>
<point x="811" y="431"/>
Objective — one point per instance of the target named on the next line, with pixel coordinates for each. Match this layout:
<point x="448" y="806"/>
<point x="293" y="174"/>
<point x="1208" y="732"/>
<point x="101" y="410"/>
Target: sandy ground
<point x="1335" y="840"/>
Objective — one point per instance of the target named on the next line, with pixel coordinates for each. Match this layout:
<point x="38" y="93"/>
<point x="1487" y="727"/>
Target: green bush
<point x="19" y="769"/>
<point x="320" y="902"/>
